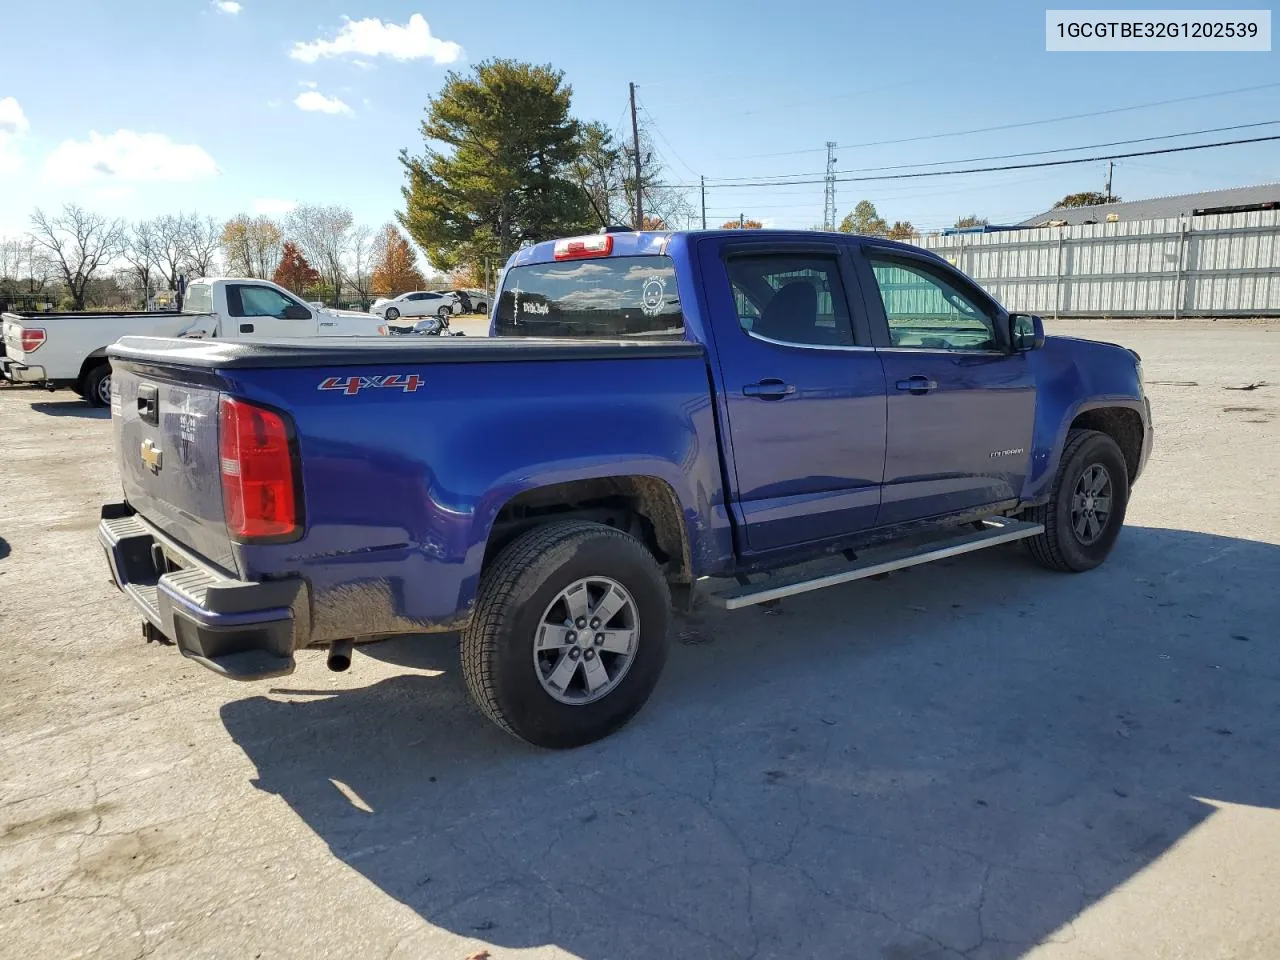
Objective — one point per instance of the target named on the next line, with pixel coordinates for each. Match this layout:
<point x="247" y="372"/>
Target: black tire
<point x="391" y="315"/>
<point x="498" y="642"/>
<point x="482" y="307"/>
<point x="97" y="385"/>
<point x="444" y="313"/>
<point x="1060" y="547"/>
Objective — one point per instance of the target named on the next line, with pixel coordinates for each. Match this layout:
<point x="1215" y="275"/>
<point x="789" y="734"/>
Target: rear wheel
<point x="482" y="307"/>
<point x="97" y="385"/>
<point x="569" y="634"/>
<point x="1086" y="505"/>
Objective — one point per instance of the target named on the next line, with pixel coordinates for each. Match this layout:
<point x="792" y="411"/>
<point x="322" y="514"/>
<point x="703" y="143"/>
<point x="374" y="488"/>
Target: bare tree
<point x="204" y="237"/>
<point x="171" y="235"/>
<point x="140" y="253"/>
<point x="361" y="260"/>
<point x="322" y="233"/>
<point x="79" y="243"/>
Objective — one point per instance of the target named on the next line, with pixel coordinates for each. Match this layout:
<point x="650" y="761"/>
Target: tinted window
<point x="791" y="298"/>
<point x="608" y="297"/>
<point x="257" y="302"/>
<point x="927" y="312"/>
<point x="199" y="299"/>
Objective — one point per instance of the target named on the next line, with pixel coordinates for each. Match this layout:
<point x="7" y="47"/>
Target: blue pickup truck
<point x="656" y="419"/>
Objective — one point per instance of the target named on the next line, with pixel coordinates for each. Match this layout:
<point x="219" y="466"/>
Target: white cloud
<point x="362" y="64"/>
<point x="13" y="128"/>
<point x="229" y="7"/>
<point x="315" y="101"/>
<point x="127" y="156"/>
<point x="373" y="38"/>
<point x="309" y="84"/>
<point x="273" y="206"/>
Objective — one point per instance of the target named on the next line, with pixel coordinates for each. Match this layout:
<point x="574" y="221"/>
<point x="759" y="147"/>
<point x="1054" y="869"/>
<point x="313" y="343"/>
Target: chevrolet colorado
<point x="655" y="418"/>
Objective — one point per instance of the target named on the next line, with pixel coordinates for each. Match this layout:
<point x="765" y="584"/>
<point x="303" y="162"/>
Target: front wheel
<point x="569" y="634"/>
<point x="444" y="313"/>
<point x="97" y="386"/>
<point x="392" y="314"/>
<point x="1086" y="505"/>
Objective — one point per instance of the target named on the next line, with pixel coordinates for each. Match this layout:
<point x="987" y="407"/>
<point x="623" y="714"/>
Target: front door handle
<point x="770" y="389"/>
<point x="246" y="328"/>
<point x="918" y="385"/>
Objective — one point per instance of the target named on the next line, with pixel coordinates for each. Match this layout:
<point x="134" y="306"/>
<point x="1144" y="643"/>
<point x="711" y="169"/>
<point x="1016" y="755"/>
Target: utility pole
<point x="742" y="221"/>
<point x="704" y="202"/>
<point x="1110" y="166"/>
<point x="635" y="146"/>
<point x="829" y="196"/>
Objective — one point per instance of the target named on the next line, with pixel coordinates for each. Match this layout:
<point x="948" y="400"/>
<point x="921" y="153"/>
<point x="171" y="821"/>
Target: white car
<point x="418" y="303"/>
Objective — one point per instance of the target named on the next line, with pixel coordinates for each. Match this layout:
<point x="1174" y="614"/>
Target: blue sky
<point x="141" y="107"/>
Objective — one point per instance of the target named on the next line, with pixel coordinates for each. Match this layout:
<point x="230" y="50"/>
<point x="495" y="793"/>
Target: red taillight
<point x="258" y="488"/>
<point x="574" y="248"/>
<point x="32" y="339"/>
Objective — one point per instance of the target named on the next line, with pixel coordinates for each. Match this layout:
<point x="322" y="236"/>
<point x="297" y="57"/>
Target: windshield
<point x="605" y="298"/>
<point x="199" y="299"/>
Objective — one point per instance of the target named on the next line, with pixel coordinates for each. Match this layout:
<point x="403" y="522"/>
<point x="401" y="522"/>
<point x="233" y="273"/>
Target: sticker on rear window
<point x="350" y="386"/>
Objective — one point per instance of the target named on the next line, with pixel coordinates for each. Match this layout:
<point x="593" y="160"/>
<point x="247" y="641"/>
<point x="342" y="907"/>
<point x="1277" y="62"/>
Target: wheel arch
<point x="1122" y="424"/>
<point x="95" y="359"/>
<point x="648" y="507"/>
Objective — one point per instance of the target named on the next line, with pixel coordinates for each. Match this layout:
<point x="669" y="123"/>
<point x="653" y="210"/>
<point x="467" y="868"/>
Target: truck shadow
<point x="963" y="755"/>
<point x="71" y="408"/>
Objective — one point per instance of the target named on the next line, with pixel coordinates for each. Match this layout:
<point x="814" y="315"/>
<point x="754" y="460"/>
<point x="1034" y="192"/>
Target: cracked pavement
<point x="973" y="759"/>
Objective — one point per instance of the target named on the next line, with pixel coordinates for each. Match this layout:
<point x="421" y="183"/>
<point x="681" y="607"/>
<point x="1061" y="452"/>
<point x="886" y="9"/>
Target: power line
<point x="661" y="136"/>
<point x="1023" y="123"/>
<point x="719" y="181"/>
<point x="1016" y="166"/>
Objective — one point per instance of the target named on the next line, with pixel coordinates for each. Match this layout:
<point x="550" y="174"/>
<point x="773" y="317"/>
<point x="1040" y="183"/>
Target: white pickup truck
<point x="70" y="349"/>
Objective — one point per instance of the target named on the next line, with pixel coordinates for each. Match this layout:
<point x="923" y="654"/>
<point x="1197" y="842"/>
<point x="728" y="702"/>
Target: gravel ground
<point x="976" y="758"/>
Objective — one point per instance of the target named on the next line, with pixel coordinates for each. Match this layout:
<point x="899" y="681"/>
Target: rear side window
<point x="606" y="298"/>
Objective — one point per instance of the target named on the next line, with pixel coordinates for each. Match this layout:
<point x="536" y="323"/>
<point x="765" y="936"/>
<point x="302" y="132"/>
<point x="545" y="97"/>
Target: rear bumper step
<point x="995" y="531"/>
<point x="245" y="631"/>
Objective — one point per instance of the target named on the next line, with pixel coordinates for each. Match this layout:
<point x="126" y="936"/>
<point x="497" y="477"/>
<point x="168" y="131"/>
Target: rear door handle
<point x="918" y="385"/>
<point x="770" y="389"/>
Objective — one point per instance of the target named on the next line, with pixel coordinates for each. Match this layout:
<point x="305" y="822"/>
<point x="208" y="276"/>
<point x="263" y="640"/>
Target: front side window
<point x="603" y="298"/>
<point x="791" y="298"/>
<point x="927" y="312"/>
<point x="261" y="302"/>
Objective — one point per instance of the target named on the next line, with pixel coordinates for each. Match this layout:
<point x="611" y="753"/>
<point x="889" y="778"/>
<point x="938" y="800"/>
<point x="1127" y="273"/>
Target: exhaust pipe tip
<point x="340" y="655"/>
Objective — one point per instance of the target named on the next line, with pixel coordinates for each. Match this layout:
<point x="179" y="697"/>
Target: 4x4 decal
<point x="353" y="385"/>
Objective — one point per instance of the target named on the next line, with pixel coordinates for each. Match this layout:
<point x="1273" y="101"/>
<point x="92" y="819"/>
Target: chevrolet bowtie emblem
<point x="152" y="455"/>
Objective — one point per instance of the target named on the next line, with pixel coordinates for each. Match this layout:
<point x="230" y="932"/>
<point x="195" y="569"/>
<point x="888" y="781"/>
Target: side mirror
<point x="296" y="311"/>
<point x="1026" y="332"/>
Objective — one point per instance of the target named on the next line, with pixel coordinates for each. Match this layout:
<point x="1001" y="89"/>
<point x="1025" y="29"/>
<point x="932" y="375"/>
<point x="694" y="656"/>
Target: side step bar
<point x="995" y="531"/>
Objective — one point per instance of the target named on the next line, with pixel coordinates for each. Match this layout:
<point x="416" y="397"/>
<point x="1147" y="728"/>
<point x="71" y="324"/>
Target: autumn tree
<point x="294" y="272"/>
<point x="204" y="237"/>
<point x="251" y="246"/>
<point x="742" y="224"/>
<point x="864" y="220"/>
<point x="495" y="172"/>
<point x="395" y="269"/>
<point x="79" y="243"/>
<point x="972" y="220"/>
<point x="901" y="230"/>
<point x="1087" y="198"/>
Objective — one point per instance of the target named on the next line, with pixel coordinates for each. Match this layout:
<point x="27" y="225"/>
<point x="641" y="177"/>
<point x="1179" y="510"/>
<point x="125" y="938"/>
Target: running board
<point x="995" y="532"/>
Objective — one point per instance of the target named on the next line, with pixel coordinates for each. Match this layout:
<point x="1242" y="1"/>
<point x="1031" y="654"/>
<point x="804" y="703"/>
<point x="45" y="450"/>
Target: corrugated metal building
<point x="1190" y="265"/>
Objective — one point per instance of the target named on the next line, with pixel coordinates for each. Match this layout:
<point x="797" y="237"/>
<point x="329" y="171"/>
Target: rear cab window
<point x="604" y="298"/>
<point x="199" y="299"/>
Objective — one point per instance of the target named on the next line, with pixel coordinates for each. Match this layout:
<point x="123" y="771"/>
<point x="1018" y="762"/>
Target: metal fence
<point x="1223" y="265"/>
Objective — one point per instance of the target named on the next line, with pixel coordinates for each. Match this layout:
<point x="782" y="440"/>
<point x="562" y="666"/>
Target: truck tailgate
<point x="166" y="432"/>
